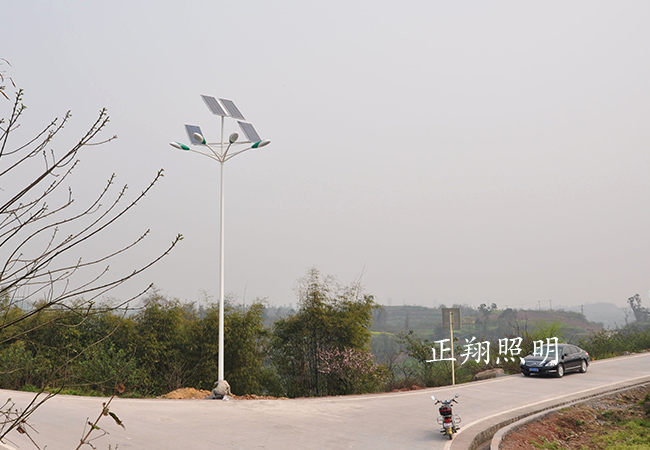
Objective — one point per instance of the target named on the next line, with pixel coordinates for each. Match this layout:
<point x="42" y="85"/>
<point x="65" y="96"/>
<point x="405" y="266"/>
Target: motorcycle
<point x="447" y="419"/>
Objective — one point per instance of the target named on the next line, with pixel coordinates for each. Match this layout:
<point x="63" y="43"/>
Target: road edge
<point x="503" y="432"/>
<point x="481" y="432"/>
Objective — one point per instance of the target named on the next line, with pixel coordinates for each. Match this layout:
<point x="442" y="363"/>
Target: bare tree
<point x="44" y="233"/>
<point x="640" y="313"/>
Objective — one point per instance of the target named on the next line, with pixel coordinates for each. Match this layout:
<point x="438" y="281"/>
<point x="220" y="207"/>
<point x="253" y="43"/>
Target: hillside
<point x="610" y="315"/>
<point x="427" y="322"/>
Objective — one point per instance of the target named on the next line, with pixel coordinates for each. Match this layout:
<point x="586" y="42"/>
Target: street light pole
<point x="222" y="259"/>
<point x="222" y="108"/>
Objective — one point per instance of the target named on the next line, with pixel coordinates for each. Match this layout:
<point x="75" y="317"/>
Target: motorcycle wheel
<point x="451" y="436"/>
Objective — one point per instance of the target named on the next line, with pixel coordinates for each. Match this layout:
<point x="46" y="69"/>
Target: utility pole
<point x="451" y="332"/>
<point x="550" y="306"/>
<point x="453" y="316"/>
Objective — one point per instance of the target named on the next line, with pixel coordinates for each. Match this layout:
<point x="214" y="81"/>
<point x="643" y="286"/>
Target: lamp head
<point x="199" y="137"/>
<point x="233" y="138"/>
<point x="179" y="146"/>
<point x="259" y="144"/>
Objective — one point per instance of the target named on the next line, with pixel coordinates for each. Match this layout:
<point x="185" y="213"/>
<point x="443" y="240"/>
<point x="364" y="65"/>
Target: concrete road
<point x="405" y="420"/>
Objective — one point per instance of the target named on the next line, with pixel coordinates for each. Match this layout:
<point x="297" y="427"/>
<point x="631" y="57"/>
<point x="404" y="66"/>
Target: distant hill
<point x="427" y="322"/>
<point x="610" y="315"/>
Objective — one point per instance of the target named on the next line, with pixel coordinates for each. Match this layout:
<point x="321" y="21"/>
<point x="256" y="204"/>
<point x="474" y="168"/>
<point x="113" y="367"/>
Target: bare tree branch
<point x="44" y="267"/>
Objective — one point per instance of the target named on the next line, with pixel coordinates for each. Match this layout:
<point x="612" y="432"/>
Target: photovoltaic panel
<point x="214" y="106"/>
<point x="191" y="129"/>
<point x="232" y="109"/>
<point x="249" y="131"/>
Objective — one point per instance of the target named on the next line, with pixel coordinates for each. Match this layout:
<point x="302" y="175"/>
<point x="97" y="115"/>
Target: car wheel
<point x="526" y="374"/>
<point x="583" y="366"/>
<point x="560" y="371"/>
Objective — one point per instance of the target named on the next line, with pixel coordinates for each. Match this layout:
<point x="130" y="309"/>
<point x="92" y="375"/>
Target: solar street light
<point x="223" y="108"/>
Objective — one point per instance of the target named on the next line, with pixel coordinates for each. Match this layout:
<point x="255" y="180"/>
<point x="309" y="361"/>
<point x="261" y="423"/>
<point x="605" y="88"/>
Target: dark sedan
<point x="545" y="360"/>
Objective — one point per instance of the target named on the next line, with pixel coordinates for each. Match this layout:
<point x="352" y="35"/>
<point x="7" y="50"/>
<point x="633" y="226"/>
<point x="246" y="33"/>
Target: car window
<point x="550" y="349"/>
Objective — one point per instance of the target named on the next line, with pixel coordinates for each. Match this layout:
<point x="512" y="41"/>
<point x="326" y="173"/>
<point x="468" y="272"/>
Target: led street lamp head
<point x="179" y="146"/>
<point x="191" y="130"/>
<point x="199" y="137"/>
<point x="259" y="144"/>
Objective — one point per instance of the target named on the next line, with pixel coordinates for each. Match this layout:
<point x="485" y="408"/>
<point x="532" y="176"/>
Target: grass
<point x="545" y="444"/>
<point x="69" y="391"/>
<point x="634" y="435"/>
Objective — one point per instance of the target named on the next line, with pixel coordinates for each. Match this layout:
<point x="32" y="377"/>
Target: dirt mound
<point x="199" y="394"/>
<point x="186" y="393"/>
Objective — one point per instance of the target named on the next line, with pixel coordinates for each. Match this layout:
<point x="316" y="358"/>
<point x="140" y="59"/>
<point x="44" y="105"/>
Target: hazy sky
<point x="444" y="152"/>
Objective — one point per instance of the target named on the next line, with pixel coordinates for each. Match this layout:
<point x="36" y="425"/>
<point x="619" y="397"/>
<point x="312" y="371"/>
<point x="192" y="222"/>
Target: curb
<point x="495" y="423"/>
<point x="503" y="432"/>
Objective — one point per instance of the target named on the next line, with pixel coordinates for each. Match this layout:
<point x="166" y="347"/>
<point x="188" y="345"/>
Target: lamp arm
<point x="226" y="152"/>
<point x="215" y="156"/>
<point x="237" y="153"/>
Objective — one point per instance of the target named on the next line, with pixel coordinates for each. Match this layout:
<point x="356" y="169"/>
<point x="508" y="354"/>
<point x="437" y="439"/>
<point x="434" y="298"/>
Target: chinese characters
<point x="479" y="351"/>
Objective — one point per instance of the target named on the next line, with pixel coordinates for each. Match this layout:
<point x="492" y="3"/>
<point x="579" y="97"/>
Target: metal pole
<point x="221" y="281"/>
<point x="451" y="331"/>
<point x="221" y="265"/>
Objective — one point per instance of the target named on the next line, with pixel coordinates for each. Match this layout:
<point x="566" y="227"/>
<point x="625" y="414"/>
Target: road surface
<point x="404" y="420"/>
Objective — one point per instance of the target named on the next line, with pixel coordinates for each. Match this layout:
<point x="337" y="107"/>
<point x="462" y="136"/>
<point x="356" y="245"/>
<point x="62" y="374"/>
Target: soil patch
<point x="186" y="394"/>
<point x="200" y="394"/>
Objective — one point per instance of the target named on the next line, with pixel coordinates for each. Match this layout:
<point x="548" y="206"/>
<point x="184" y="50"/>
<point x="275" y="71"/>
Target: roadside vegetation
<point x="322" y="348"/>
<point x="336" y="341"/>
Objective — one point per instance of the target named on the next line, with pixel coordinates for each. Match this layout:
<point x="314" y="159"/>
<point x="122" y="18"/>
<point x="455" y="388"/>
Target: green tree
<point x="429" y="374"/>
<point x="485" y="312"/>
<point x="245" y="344"/>
<point x="163" y="333"/>
<point x="317" y="350"/>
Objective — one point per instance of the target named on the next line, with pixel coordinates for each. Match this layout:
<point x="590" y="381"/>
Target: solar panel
<point x="232" y="109"/>
<point x="249" y="131"/>
<point x="191" y="129"/>
<point x="214" y="106"/>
